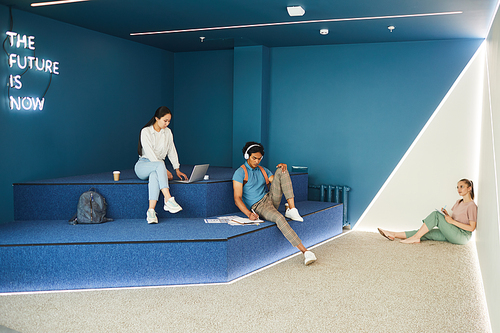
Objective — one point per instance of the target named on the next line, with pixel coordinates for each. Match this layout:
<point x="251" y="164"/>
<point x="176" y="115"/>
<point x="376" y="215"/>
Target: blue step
<point x="53" y="255"/>
<point x="56" y="199"/>
<point x="41" y="251"/>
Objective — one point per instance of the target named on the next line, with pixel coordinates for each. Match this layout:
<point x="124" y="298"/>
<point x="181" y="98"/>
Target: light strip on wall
<point x="492" y="129"/>
<point x="50" y="3"/>
<point x="414" y="143"/>
<point x="295" y="22"/>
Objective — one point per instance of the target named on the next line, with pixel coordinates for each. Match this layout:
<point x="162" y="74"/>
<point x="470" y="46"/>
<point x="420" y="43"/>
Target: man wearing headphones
<point x="250" y="184"/>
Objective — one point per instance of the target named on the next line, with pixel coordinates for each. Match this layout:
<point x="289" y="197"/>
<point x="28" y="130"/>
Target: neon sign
<point x="26" y="63"/>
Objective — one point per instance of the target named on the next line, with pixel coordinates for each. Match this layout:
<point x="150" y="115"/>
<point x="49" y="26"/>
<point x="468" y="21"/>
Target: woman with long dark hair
<point x="155" y="143"/>
<point x="456" y="229"/>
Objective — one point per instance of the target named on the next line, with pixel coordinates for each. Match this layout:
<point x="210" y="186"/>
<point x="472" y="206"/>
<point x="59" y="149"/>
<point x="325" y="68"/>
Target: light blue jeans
<point x="156" y="172"/>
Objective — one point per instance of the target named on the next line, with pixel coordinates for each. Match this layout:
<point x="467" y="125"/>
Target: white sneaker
<point x="309" y="258"/>
<point x="293" y="214"/>
<point x="151" y="216"/>
<point x="172" y="206"/>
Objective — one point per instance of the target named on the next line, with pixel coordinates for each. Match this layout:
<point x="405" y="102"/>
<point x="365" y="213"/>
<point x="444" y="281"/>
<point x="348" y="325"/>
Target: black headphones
<point x="246" y="156"/>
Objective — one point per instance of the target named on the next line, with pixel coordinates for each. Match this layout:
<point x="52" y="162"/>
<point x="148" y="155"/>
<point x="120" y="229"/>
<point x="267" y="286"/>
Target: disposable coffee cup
<point x="116" y="175"/>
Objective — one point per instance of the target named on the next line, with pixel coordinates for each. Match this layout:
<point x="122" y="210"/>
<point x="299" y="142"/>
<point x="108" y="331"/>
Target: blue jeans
<point x="156" y="172"/>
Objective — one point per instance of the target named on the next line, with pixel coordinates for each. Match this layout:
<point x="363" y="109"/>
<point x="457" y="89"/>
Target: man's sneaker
<point x="309" y="257"/>
<point x="172" y="206"/>
<point x="151" y="216"/>
<point x="293" y="214"/>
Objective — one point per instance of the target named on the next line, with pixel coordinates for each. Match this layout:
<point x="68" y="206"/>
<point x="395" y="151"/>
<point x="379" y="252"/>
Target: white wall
<point x="446" y="150"/>
<point x="462" y="139"/>
<point x="487" y="235"/>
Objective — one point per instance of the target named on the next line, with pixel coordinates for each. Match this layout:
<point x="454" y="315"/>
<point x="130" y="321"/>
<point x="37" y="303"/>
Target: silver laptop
<point x="199" y="171"/>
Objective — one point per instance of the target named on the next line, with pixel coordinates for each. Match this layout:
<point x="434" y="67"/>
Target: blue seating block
<point x="54" y="255"/>
<point x="56" y="199"/>
<point x="41" y="251"/>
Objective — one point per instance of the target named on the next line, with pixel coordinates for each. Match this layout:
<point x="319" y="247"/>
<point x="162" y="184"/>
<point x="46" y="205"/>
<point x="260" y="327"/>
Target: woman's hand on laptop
<point x="181" y="175"/>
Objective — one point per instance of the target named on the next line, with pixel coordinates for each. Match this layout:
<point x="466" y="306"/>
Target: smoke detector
<point x="295" y="10"/>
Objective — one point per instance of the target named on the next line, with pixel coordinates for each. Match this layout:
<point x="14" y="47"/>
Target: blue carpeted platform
<point x="128" y="198"/>
<point x="39" y="254"/>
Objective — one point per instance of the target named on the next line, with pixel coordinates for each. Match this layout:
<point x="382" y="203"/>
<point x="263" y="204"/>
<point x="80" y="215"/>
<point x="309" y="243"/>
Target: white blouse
<point x="157" y="145"/>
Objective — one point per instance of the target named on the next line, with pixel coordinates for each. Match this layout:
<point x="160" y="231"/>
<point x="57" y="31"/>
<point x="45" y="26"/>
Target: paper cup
<point x="116" y="175"/>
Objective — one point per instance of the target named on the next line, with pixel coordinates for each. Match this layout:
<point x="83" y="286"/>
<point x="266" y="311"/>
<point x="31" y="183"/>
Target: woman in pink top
<point x="456" y="229"/>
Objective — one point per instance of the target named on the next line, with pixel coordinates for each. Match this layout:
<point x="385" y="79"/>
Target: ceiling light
<point x="324" y="31"/>
<point x="59" y="2"/>
<point x="391" y="27"/>
<point x="295" y="10"/>
<point x="296" y="22"/>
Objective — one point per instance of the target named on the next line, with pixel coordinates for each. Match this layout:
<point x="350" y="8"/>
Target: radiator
<point x="335" y="193"/>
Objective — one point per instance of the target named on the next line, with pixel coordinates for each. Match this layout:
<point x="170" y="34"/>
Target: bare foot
<point x="411" y="240"/>
<point x="386" y="234"/>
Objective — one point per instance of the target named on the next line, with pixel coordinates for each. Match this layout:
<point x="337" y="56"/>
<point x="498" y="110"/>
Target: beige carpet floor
<point x="360" y="283"/>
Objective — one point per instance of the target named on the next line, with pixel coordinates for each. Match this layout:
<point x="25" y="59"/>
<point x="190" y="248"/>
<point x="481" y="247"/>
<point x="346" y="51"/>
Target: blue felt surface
<point x="128" y="198"/>
<point x="35" y="268"/>
<point x="42" y="251"/>
<point x="115" y="263"/>
<point x="132" y="230"/>
<point x="129" y="177"/>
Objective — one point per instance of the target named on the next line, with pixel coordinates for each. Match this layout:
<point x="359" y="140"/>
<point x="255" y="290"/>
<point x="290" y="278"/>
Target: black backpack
<point x="91" y="208"/>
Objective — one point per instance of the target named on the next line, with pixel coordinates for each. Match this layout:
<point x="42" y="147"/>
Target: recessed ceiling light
<point x="324" y="31"/>
<point x="296" y="22"/>
<point x="59" y="2"/>
<point x="295" y="10"/>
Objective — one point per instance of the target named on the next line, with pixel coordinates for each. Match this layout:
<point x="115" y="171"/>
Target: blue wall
<point x="250" y="99"/>
<point x="107" y="89"/>
<point x="348" y="112"/>
<point x="203" y="112"/>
